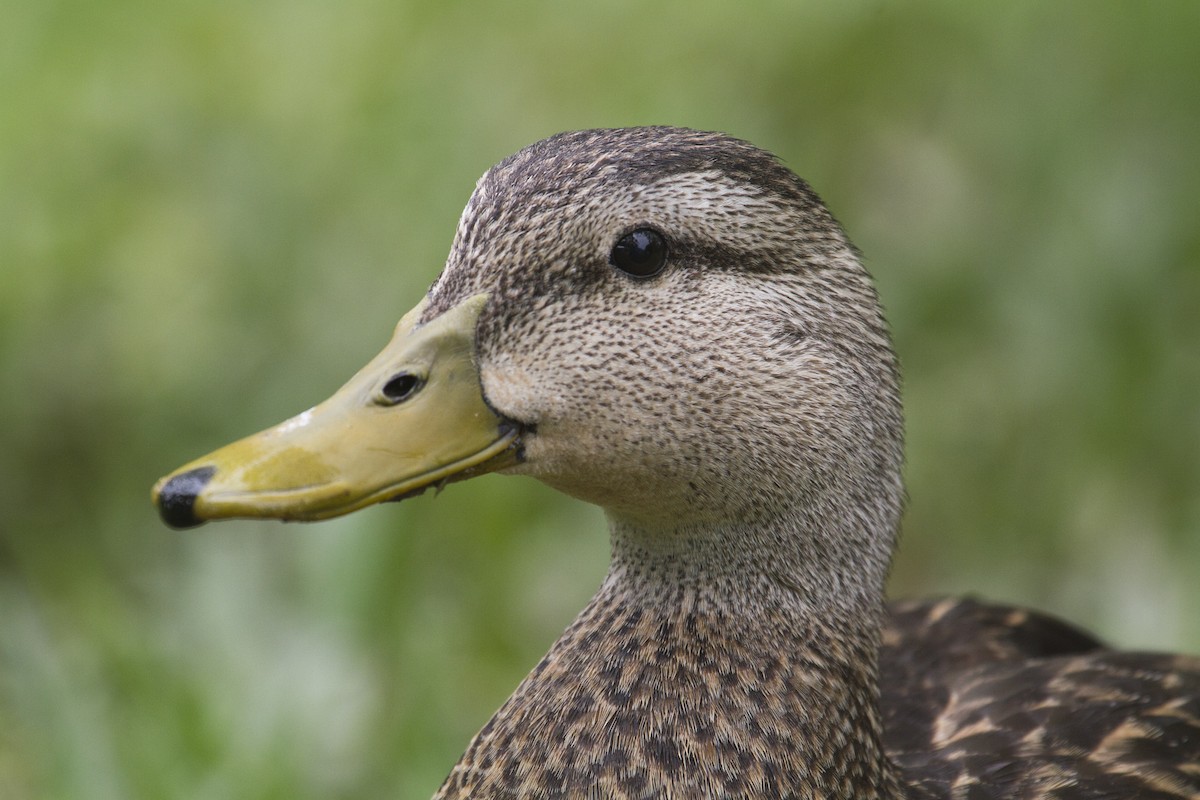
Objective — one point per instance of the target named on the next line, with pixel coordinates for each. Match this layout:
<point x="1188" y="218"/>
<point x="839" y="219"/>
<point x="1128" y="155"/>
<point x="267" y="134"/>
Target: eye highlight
<point x="641" y="253"/>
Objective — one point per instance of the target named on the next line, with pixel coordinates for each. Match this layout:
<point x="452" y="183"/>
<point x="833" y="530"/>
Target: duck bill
<point x="413" y="418"/>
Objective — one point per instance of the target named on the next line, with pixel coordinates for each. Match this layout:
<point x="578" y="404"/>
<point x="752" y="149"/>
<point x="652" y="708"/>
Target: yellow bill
<point x="414" y="417"/>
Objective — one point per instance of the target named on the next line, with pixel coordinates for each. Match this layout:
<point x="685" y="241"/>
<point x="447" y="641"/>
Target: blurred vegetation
<point x="211" y="213"/>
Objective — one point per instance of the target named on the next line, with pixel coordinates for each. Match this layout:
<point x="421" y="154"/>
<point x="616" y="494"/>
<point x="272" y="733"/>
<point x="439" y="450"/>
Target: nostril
<point x="177" y="498"/>
<point x="401" y="387"/>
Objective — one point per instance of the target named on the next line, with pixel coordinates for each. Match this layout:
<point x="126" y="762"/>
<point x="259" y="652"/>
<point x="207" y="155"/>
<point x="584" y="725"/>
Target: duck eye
<point x="641" y="253"/>
<point x="401" y="387"/>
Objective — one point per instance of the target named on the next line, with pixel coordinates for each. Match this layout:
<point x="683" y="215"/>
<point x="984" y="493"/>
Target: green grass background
<point x="211" y="213"/>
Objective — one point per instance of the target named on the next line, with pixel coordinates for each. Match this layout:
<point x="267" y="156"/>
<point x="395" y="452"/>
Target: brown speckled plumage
<point x="1025" y="706"/>
<point x="673" y="690"/>
<point x="738" y="418"/>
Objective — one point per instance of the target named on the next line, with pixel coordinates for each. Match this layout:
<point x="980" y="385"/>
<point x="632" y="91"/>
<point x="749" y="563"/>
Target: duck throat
<point x="661" y="688"/>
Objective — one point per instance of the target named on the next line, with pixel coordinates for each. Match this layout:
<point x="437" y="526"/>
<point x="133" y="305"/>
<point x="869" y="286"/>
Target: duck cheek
<point x="580" y="466"/>
<point x="511" y="392"/>
<point x="528" y="393"/>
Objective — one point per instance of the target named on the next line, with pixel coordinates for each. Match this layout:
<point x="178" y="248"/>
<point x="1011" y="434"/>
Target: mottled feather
<point x="983" y="701"/>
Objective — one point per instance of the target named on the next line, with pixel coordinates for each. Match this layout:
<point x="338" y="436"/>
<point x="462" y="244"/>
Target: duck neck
<point x="828" y="570"/>
<point x="693" y="673"/>
<point x="792" y="618"/>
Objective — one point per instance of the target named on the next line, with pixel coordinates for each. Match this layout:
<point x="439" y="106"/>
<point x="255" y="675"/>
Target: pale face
<point x="670" y="397"/>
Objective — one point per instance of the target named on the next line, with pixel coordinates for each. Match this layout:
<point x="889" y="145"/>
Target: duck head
<point x="664" y="322"/>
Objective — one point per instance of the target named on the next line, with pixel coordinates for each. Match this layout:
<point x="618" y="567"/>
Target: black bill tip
<point x="177" y="499"/>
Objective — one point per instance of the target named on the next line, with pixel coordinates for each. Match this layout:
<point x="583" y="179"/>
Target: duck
<point x="670" y="324"/>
